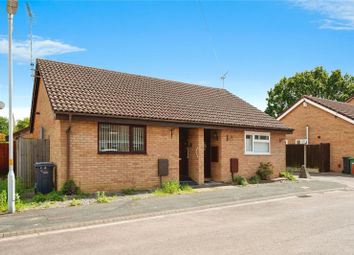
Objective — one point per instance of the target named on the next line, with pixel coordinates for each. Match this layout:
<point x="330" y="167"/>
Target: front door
<point x="207" y="153"/>
<point x="183" y="154"/>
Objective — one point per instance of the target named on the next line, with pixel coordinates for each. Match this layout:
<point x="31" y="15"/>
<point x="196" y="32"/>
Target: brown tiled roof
<point x="345" y="109"/>
<point x="86" y="90"/>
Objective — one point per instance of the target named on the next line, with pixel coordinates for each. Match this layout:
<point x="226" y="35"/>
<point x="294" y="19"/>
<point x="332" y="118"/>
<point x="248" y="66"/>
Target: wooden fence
<point x="4" y="159"/>
<point x="317" y="156"/>
<point x="30" y="151"/>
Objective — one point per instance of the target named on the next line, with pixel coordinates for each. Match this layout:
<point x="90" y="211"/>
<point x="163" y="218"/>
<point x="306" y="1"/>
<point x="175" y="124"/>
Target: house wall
<point x="196" y="154"/>
<point x="44" y="121"/>
<point x="323" y="128"/>
<point x="232" y="145"/>
<point x="110" y="172"/>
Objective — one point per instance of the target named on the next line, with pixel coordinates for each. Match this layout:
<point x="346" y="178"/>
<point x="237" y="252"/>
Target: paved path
<point x="321" y="223"/>
<point x="61" y="218"/>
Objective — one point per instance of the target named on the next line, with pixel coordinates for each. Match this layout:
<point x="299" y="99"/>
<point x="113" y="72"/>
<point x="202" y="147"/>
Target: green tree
<point x="21" y="124"/>
<point x="317" y="82"/>
<point x="4" y="126"/>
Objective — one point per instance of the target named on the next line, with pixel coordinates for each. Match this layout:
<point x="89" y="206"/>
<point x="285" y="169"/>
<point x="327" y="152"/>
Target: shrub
<point x="171" y="187"/>
<point x="254" y="179"/>
<point x="265" y="170"/>
<point x="3" y="201"/>
<point x="39" y="198"/>
<point x="239" y="180"/>
<point x="75" y="202"/>
<point x="19" y="185"/>
<point x="288" y="175"/>
<point x="102" y="198"/>
<point x="129" y="191"/>
<point x="186" y="188"/>
<point x="70" y="188"/>
<point x="52" y="196"/>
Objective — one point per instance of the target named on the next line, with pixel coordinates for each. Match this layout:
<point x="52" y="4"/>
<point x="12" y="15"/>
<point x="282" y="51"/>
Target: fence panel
<point x="30" y="151"/>
<point x="4" y="159"/>
<point x="317" y="156"/>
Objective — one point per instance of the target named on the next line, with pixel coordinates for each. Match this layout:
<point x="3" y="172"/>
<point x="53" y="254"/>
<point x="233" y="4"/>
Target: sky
<point x="256" y="42"/>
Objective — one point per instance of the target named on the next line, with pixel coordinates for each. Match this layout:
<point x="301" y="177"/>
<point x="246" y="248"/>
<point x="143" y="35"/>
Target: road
<point x="318" y="224"/>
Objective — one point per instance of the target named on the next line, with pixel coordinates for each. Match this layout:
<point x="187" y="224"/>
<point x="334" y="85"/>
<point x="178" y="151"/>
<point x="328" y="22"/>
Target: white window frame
<point x="265" y="141"/>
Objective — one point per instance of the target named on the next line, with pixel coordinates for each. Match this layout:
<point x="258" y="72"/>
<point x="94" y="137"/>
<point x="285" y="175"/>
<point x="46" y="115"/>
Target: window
<point x="257" y="143"/>
<point x="115" y="138"/>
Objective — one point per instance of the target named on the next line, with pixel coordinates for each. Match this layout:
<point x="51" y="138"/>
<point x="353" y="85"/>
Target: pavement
<point x="318" y="222"/>
<point x="39" y="221"/>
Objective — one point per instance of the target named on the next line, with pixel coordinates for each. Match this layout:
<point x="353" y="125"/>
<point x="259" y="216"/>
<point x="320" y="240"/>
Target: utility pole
<point x="11" y="10"/>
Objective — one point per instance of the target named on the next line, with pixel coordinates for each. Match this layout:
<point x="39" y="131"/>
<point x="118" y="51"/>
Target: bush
<point x="239" y="180"/>
<point x="75" y="202"/>
<point x="129" y="191"/>
<point x="171" y="187"/>
<point x="19" y="185"/>
<point x="70" y="188"/>
<point x="265" y="170"/>
<point x="102" y="198"/>
<point x="254" y="179"/>
<point x="288" y="175"/>
<point x="52" y="196"/>
<point x="3" y="201"/>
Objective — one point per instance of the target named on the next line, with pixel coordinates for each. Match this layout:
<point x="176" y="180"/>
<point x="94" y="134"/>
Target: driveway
<point x="319" y="223"/>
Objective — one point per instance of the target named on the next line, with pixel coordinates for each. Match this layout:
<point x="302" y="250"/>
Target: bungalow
<point x="107" y="129"/>
<point x="318" y="120"/>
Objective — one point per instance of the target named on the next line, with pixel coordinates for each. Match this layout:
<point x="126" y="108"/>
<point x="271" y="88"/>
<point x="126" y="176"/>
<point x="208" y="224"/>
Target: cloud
<point x="339" y="14"/>
<point x="41" y="48"/>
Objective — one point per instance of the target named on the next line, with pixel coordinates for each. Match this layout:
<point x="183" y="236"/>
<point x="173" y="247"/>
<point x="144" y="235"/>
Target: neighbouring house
<point x="350" y="100"/>
<point x="23" y="133"/>
<point x="107" y="129"/>
<point x="318" y="120"/>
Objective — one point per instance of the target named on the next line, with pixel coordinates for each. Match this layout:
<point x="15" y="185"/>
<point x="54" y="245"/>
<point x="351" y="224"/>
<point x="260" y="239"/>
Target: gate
<point x="317" y="156"/>
<point x="30" y="151"/>
<point x="4" y="159"/>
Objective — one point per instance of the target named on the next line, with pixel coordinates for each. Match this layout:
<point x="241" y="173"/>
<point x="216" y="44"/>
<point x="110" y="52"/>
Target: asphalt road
<point x="318" y="224"/>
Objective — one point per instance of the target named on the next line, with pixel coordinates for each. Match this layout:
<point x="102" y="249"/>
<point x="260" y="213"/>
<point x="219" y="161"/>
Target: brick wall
<point x="323" y="128"/>
<point x="110" y="172"/>
<point x="232" y="145"/>
<point x="351" y="101"/>
<point x="196" y="154"/>
<point x="44" y="119"/>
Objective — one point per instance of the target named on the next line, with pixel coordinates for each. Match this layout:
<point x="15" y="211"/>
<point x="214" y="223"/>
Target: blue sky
<point x="257" y="42"/>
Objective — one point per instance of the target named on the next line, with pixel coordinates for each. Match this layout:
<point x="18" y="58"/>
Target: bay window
<point x="257" y="143"/>
<point x="115" y="138"/>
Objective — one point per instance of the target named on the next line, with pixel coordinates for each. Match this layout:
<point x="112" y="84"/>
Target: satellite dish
<point x="2" y="105"/>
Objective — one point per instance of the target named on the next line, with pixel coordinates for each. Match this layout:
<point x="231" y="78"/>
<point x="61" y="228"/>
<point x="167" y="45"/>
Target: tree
<point x="4" y="126"/>
<point x="21" y="124"/>
<point x="317" y="82"/>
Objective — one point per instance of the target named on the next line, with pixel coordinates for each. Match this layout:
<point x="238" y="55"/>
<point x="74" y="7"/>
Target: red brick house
<point x="322" y="121"/>
<point x="108" y="129"/>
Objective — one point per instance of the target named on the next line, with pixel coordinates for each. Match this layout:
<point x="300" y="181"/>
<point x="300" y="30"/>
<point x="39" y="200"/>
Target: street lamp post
<point x="11" y="10"/>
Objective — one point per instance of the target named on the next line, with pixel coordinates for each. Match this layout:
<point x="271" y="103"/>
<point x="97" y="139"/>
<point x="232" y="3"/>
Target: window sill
<point x="122" y="153"/>
<point x="257" y="154"/>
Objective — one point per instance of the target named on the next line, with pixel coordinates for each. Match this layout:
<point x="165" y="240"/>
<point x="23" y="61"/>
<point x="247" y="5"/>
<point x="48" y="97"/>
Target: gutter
<point x="68" y="152"/>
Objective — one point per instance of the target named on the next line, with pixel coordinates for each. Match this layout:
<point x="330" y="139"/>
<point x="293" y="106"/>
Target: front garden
<point x="70" y="194"/>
